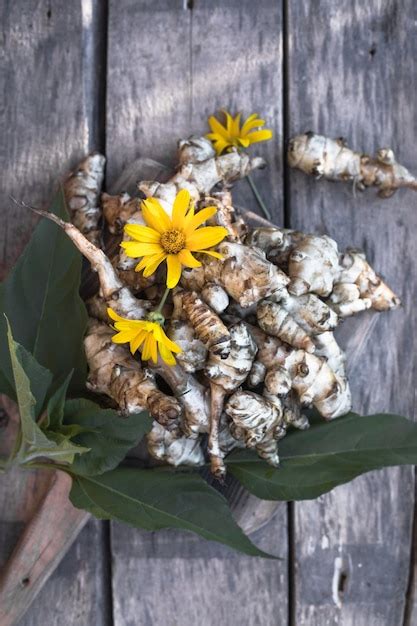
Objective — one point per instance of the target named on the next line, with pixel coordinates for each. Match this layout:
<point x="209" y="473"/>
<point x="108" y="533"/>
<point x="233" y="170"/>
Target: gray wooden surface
<point x="342" y="68"/>
<point x="46" y="126"/>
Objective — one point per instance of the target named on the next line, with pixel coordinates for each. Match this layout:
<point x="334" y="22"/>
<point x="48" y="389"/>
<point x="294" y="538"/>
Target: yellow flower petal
<point x="155" y="216"/>
<point x="234" y="135"/>
<point x="260" y="135"/>
<point x="187" y="259"/>
<point x="199" y="218"/>
<point x="221" y="145"/>
<point x="161" y="337"/>
<point x="123" y="337"/>
<point x="146" y="350"/>
<point x="137" y="341"/>
<point x="152" y="264"/>
<point x="218" y="128"/>
<point x="113" y="315"/>
<point x="205" y="238"/>
<point x="216" y="255"/>
<point x="229" y="122"/>
<point x="134" y="249"/>
<point x="166" y="355"/>
<point x="143" y="263"/>
<point x="132" y="325"/>
<point x="180" y="208"/>
<point x="154" y="350"/>
<point x="174" y="271"/>
<point x="253" y="121"/>
<point x="149" y="337"/>
<point x="188" y="217"/>
<point x="144" y="234"/>
<point x="244" y="141"/>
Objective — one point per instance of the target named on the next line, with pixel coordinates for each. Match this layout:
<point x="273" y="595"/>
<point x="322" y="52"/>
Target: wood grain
<point x="169" y="578"/>
<point x="349" y="75"/>
<point x="51" y="531"/>
<point x="169" y="69"/>
<point x="47" y="87"/>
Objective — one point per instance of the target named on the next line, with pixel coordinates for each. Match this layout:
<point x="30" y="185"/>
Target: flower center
<point x="173" y="241"/>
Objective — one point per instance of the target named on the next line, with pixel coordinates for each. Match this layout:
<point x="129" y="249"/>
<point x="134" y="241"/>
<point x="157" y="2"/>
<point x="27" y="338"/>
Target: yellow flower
<point x="234" y="136"/>
<point x="146" y="336"/>
<point x="172" y="238"/>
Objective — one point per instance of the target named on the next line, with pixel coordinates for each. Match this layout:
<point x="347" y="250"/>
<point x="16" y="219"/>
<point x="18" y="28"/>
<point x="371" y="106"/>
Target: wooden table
<point x="130" y="77"/>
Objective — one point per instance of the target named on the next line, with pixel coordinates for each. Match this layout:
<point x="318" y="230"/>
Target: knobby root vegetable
<point x="82" y="191"/>
<point x="226" y="215"/>
<point x="316" y="384"/>
<point x="328" y="348"/>
<point x="193" y="396"/>
<point x="194" y="352"/>
<point x="275" y="320"/>
<point x="313" y="265"/>
<point x="356" y="269"/>
<point x="276" y="243"/>
<point x="255" y="328"/>
<point x="245" y="274"/>
<point x="331" y="159"/>
<point x="207" y="325"/>
<point x="168" y="447"/>
<point x="200" y="170"/>
<point x="117" y="210"/>
<point x="114" y="372"/>
<point x="258" y="422"/>
<point x="225" y="376"/>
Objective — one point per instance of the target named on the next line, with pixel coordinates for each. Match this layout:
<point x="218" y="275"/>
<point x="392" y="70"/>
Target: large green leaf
<point x="34" y="442"/>
<point x="56" y="404"/>
<point x="22" y="362"/>
<point x="154" y="499"/>
<point x="327" y="455"/>
<point x="40" y="298"/>
<point x="31" y="433"/>
<point x="108" y="435"/>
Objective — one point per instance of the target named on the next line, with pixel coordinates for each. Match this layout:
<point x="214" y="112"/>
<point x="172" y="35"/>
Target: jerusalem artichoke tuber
<point x="356" y="269"/>
<point x="261" y="317"/>
<point x="332" y="159"/>
<point x="313" y="266"/>
<point x="275" y="320"/>
<point x="117" y="210"/>
<point x="258" y="420"/>
<point x="175" y="450"/>
<point x="199" y="173"/>
<point x="226" y="375"/>
<point x="114" y="372"/>
<point x="316" y="384"/>
<point x="82" y="191"/>
<point x="207" y="325"/>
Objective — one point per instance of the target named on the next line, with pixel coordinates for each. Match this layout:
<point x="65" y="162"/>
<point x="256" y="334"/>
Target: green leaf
<point x="40" y="298"/>
<point x="56" y="404"/>
<point x="34" y="442"/>
<point x="153" y="499"/>
<point x="63" y="450"/>
<point x="31" y="433"/>
<point x="108" y="435"/>
<point x="39" y="377"/>
<point x="328" y="454"/>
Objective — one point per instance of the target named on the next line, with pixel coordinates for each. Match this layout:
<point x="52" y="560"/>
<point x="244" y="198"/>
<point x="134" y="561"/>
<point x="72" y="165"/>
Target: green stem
<point x="163" y="300"/>
<point x="258" y="197"/>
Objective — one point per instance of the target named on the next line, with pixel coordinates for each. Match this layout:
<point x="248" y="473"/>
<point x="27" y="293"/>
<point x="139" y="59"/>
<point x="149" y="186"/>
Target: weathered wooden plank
<point x="349" y="74"/>
<point x="54" y="527"/>
<point x="169" y="578"/>
<point x="47" y="50"/>
<point x="186" y="65"/>
<point x="169" y="69"/>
